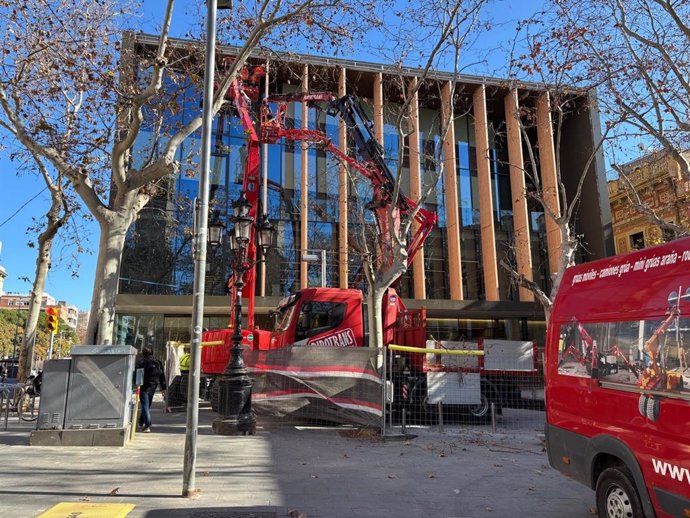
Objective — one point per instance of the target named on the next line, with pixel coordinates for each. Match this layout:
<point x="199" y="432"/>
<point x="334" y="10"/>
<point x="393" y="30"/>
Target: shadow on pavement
<point x="62" y="492"/>
<point x="213" y="512"/>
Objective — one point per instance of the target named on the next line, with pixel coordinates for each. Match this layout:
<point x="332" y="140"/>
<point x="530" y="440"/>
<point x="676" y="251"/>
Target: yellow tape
<point x="419" y="350"/>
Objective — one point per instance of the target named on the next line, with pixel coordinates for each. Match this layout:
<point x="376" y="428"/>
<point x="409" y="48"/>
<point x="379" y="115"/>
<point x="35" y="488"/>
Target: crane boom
<point x="372" y="164"/>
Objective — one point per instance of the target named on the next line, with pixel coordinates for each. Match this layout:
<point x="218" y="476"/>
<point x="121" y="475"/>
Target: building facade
<point x="23" y="300"/>
<point x="657" y="180"/>
<point x="484" y="216"/>
<point x="19" y="301"/>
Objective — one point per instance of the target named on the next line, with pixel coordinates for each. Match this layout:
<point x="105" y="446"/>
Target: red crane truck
<point x="618" y="383"/>
<point x="329" y="316"/>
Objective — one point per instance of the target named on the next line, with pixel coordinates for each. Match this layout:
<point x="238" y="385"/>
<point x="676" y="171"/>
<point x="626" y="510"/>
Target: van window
<point x="648" y="354"/>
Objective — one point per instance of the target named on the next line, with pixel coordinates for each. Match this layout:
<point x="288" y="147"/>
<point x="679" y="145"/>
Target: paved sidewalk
<point x="314" y="472"/>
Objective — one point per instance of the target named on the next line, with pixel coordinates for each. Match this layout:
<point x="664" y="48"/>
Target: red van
<point x="618" y="383"/>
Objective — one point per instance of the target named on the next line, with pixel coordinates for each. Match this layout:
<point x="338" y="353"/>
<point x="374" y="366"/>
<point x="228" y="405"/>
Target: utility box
<point x="100" y="387"/>
<point x="51" y="413"/>
<point x="86" y="400"/>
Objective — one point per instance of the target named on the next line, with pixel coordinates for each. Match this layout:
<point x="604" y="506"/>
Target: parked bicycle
<point x="23" y="399"/>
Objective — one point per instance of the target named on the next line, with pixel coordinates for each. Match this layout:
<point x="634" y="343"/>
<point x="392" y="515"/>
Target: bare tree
<point x="70" y="99"/>
<point x="448" y="25"/>
<point x="551" y="63"/>
<point x="633" y="57"/>
<point x="636" y="53"/>
<point x="62" y="208"/>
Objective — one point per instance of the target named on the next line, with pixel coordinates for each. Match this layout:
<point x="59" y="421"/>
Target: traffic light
<point x="52" y="319"/>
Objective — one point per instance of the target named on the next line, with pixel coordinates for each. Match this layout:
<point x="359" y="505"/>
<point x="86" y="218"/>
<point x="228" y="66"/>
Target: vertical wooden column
<point x="418" y="273"/>
<point x="450" y="178"/>
<point x="343" y="180"/>
<point x="264" y="194"/>
<point x="304" y="203"/>
<point x="549" y="179"/>
<point x="486" y="206"/>
<point x="378" y="107"/>
<point x="523" y="252"/>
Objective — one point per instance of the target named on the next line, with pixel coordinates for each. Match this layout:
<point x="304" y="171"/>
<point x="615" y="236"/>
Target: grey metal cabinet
<point x="99" y="389"/>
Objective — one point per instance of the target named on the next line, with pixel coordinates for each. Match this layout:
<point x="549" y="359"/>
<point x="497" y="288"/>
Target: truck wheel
<point x="489" y="394"/>
<point x="418" y="409"/>
<point x="481" y="410"/>
<point x="652" y="409"/>
<point x="642" y="405"/>
<point x="617" y="496"/>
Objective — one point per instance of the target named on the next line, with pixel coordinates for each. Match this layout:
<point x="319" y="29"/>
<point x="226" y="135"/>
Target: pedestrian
<point x="153" y="377"/>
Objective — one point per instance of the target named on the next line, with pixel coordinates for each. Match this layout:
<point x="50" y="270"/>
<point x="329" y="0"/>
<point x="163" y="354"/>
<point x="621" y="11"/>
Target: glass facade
<point x="537" y="225"/>
<point x="157" y="330"/>
<point x="436" y="245"/>
<point x="158" y="253"/>
<point x="468" y="204"/>
<point x="157" y="258"/>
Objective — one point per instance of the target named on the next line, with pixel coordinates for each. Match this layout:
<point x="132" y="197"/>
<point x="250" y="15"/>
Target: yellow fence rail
<point x="421" y="350"/>
<point x="213" y="343"/>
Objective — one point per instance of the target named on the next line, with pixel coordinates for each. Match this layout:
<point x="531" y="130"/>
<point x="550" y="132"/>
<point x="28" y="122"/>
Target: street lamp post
<point x="235" y="385"/>
<point x="200" y="243"/>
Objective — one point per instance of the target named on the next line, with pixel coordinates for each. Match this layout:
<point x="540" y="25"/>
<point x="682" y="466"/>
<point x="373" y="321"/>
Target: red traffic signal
<point x="52" y="319"/>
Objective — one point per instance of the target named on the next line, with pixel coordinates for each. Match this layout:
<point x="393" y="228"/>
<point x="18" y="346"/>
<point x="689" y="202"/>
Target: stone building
<point x="657" y="181"/>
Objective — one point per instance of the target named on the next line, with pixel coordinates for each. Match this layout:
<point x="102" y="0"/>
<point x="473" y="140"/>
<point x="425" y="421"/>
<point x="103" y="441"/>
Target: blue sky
<point x="23" y="196"/>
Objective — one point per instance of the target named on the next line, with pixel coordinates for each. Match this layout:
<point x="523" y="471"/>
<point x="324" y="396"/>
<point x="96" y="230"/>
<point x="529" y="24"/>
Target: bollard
<point x="404" y="416"/>
<point x="5" y="405"/>
<point x="493" y="417"/>
<point x="384" y="405"/>
<point x="440" y="416"/>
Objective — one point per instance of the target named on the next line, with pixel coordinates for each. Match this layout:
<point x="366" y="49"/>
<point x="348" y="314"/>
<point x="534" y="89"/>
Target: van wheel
<point x="617" y="496"/>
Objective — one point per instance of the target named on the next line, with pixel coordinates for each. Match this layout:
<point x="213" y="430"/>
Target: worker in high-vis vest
<point x="185" y="360"/>
<point x="177" y="391"/>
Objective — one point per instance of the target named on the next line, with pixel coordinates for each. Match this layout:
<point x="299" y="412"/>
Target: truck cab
<point x="320" y="317"/>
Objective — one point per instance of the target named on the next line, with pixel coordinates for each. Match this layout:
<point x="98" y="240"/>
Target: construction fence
<point x="491" y="383"/>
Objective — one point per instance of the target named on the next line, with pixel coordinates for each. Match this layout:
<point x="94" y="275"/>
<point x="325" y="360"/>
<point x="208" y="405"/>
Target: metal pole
<point x="390" y="413"/>
<point x="200" y="239"/>
<point x="264" y="189"/>
<point x="33" y="353"/>
<point x="50" y="348"/>
<point x="16" y="335"/>
<point x="384" y="406"/>
<point x="323" y="268"/>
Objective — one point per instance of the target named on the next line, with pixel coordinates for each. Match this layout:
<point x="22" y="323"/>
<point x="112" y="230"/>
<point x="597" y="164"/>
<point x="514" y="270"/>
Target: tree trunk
<point x="42" y="267"/>
<point x="375" y="315"/>
<point x="43" y="260"/>
<point x="101" y="327"/>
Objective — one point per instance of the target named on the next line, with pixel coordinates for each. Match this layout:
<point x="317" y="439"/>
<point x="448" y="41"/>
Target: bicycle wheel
<point x="26" y="407"/>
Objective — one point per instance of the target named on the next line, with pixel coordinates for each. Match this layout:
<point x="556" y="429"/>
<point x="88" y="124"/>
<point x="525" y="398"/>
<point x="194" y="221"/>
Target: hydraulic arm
<point x="372" y="164"/>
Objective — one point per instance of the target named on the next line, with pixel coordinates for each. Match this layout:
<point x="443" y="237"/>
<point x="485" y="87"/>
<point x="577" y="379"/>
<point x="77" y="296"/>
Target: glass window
<point x="637" y="241"/>
<point x="318" y="317"/>
<point x="648" y="354"/>
<point x="668" y="234"/>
